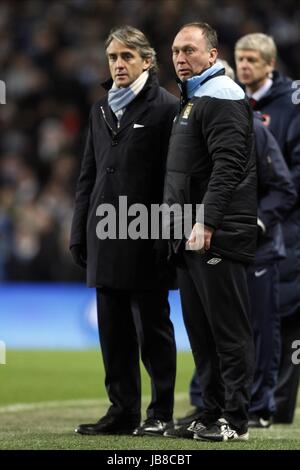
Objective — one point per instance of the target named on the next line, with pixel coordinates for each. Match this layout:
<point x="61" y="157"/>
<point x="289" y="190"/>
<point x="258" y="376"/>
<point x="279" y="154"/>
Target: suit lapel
<point x="110" y="117"/>
<point x="133" y="112"/>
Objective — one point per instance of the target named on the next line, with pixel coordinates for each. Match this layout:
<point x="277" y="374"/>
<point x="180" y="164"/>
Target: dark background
<point x="52" y="61"/>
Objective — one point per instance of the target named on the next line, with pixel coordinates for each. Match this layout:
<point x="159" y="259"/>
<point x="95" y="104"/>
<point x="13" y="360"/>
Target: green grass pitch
<point x="44" y="395"/>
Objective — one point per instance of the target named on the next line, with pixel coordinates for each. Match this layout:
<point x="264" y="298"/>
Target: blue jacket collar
<point x="188" y="88"/>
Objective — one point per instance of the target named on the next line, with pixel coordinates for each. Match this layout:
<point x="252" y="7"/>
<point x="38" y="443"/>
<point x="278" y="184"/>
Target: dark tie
<point x="252" y="102"/>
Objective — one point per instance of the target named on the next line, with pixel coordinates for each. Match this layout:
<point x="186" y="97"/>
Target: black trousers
<point x="289" y="373"/>
<point x="263" y="289"/>
<point x="263" y="284"/>
<point x="129" y="322"/>
<point x="215" y="306"/>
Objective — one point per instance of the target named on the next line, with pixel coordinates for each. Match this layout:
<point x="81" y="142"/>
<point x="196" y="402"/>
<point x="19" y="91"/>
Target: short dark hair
<point x="209" y="33"/>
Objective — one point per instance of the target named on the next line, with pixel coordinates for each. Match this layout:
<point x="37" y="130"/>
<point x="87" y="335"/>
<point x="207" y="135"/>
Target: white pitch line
<point x="49" y="404"/>
<point x="80" y="402"/>
<point x="62" y="403"/>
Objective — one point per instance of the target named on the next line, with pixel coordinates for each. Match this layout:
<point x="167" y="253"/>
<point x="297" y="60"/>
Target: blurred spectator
<point x="52" y="61"/>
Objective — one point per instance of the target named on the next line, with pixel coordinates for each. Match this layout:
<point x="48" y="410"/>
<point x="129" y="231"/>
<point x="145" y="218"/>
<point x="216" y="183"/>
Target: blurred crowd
<point x="52" y="61"/>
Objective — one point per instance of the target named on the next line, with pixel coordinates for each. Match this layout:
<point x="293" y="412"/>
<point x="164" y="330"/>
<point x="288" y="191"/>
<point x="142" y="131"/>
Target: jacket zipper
<point x="114" y="133"/>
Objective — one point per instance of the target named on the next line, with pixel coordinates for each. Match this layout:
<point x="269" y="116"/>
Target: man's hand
<point x="200" y="238"/>
<point x="79" y="255"/>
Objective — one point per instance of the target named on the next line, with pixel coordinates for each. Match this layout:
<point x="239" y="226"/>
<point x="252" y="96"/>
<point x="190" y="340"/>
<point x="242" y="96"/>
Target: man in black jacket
<point x="125" y="156"/>
<point x="275" y="97"/>
<point x="211" y="161"/>
<point x="276" y="197"/>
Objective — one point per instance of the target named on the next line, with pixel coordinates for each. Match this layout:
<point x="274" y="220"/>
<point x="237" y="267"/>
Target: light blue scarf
<point x="193" y="83"/>
<point x="119" y="98"/>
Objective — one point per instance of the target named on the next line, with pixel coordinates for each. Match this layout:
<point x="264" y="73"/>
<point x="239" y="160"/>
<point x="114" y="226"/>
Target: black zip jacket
<point x="211" y="160"/>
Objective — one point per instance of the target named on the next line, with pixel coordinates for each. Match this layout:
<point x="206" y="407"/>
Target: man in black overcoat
<point x="123" y="164"/>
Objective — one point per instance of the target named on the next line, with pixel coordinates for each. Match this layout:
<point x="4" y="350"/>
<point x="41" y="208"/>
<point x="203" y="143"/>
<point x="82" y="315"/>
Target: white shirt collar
<point x="262" y="90"/>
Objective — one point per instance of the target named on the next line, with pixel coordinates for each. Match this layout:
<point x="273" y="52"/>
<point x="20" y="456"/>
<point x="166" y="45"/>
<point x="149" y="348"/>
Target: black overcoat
<point x="125" y="161"/>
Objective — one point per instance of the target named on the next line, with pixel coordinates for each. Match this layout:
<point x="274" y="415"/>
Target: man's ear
<point x="271" y="66"/>
<point x="147" y="64"/>
<point x="213" y="54"/>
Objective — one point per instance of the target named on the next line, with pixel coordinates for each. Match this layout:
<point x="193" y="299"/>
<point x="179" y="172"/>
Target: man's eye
<point x="189" y="50"/>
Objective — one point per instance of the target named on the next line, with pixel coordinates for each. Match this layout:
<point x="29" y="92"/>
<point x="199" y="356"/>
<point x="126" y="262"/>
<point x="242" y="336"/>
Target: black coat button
<point x="110" y="169"/>
<point x="114" y="143"/>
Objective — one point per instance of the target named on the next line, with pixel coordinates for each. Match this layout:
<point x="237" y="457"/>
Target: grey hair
<point x="228" y="69"/>
<point x="258" y="42"/>
<point x="134" y="39"/>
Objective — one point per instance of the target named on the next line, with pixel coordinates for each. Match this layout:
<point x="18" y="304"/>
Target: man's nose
<point x="119" y="63"/>
<point x="244" y="62"/>
<point x="180" y="59"/>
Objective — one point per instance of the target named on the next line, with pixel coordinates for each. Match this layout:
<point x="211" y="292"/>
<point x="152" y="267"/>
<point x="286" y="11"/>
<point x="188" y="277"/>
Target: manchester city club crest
<point x="187" y="110"/>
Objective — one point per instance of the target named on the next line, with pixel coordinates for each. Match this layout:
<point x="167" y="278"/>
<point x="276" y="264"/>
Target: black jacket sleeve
<point x="227" y="129"/>
<point x="84" y="189"/>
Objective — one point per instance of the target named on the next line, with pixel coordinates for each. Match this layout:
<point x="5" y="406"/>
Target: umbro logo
<point x="214" y="260"/>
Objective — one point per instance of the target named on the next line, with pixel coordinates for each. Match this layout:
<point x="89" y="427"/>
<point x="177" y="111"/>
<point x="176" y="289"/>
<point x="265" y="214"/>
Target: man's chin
<point x="245" y="81"/>
<point x="122" y="83"/>
<point x="184" y="78"/>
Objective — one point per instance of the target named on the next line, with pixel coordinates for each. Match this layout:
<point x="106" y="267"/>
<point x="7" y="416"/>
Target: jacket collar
<point x="136" y="107"/>
<point x="199" y="80"/>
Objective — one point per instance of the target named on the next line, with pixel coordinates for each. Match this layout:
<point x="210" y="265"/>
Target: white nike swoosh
<point x="260" y="273"/>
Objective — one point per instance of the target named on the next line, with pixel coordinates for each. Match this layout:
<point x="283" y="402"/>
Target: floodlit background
<point x="52" y="61"/>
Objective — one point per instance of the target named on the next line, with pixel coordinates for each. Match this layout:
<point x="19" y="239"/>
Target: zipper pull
<point x="107" y="123"/>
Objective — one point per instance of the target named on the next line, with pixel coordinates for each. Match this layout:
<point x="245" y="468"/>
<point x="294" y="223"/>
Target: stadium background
<point x="52" y="61"/>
